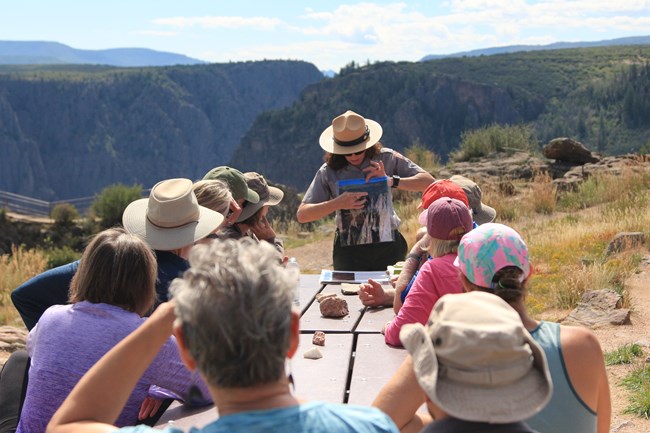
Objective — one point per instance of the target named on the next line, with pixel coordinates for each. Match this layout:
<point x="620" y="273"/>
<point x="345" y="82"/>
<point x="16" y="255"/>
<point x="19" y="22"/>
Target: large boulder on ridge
<point x="569" y="150"/>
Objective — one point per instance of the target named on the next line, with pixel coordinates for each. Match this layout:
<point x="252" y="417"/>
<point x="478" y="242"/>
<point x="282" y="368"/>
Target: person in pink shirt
<point x="448" y="220"/>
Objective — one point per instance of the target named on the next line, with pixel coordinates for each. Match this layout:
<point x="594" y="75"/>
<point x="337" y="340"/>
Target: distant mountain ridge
<point x="633" y="40"/>
<point x="42" y="52"/>
<point x="599" y="95"/>
<point x="66" y="131"/>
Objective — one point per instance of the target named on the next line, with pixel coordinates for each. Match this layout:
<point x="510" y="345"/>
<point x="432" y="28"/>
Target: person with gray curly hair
<point x="244" y="298"/>
<point x="233" y="318"/>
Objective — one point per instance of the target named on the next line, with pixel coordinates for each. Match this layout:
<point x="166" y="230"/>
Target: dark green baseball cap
<point x="236" y="182"/>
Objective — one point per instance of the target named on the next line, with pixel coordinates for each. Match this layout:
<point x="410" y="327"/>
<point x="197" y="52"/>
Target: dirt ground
<point x="314" y="256"/>
<point x="318" y="255"/>
<point x="612" y="337"/>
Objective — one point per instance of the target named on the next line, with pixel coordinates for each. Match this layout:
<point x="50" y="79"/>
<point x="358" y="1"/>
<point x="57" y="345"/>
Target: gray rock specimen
<point x="625" y="241"/>
<point x="598" y="308"/>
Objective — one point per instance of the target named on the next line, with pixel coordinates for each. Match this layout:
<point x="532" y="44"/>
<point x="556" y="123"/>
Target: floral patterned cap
<point x="489" y="248"/>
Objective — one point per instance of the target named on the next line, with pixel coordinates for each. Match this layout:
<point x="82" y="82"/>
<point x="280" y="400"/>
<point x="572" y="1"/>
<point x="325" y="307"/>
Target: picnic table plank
<point x="322" y="379"/>
<point x="184" y="417"/>
<point x="309" y="287"/>
<point x="375" y="362"/>
<point x="374" y="319"/>
<point x="312" y="320"/>
<point x="309" y="280"/>
<point x="326" y="378"/>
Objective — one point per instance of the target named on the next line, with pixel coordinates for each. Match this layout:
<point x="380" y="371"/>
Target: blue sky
<point x="329" y="34"/>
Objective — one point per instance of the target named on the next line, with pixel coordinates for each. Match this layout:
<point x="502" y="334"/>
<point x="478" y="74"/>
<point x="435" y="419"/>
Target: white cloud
<point x="331" y="38"/>
<point x="219" y="22"/>
<point x="576" y="14"/>
<point x="157" y="33"/>
<point x="374" y="31"/>
<point x="552" y="6"/>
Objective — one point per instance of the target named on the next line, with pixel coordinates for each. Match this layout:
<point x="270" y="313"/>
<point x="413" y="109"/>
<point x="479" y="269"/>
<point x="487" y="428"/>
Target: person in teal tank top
<point x="494" y="258"/>
<point x="565" y="398"/>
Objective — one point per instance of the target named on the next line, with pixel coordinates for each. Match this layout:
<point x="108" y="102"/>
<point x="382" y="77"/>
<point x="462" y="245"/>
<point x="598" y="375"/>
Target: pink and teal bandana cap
<point x="489" y="248"/>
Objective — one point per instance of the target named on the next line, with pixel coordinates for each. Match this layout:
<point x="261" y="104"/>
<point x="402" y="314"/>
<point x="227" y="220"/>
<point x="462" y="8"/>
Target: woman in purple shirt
<point x="110" y="293"/>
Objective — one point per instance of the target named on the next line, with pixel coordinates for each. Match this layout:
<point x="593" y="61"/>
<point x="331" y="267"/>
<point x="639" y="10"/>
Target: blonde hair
<point x="213" y="194"/>
<point x="438" y="247"/>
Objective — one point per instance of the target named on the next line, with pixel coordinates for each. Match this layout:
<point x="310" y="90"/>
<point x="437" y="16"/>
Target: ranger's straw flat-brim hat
<point x="171" y="217"/>
<point x="350" y="133"/>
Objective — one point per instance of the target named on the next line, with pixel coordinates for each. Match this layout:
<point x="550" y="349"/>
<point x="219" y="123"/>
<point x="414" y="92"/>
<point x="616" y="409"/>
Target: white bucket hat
<point x="171" y="217"/>
<point x="350" y="133"/>
<point x="477" y="362"/>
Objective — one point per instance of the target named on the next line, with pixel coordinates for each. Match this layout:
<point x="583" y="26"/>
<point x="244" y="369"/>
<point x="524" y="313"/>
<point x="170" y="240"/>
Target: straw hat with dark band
<point x="350" y="133"/>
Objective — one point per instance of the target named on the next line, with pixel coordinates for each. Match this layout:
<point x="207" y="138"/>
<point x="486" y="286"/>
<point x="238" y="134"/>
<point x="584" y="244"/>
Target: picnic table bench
<point x="356" y="362"/>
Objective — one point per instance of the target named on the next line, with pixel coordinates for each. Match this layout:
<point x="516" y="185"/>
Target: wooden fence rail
<point x="31" y="206"/>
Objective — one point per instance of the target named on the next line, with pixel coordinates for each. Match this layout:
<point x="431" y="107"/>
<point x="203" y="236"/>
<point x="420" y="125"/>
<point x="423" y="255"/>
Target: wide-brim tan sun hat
<point x="171" y="217"/>
<point x="269" y="195"/>
<point x="477" y="362"/>
<point x="350" y="133"/>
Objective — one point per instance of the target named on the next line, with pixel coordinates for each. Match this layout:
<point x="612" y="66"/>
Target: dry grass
<point x="622" y="190"/>
<point x="406" y="206"/>
<point x="567" y="247"/>
<point x="567" y="235"/>
<point x="294" y="235"/>
<point x="542" y="198"/>
<point x="15" y="269"/>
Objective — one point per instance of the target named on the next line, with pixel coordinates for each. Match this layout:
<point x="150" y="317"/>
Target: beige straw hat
<point x="350" y="133"/>
<point x="171" y="217"/>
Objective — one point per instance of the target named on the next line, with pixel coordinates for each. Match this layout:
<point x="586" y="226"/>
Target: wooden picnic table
<point x="309" y="287"/>
<point x="374" y="319"/>
<point x="312" y="320"/>
<point x="374" y="363"/>
<point x="325" y="378"/>
<point x="356" y="362"/>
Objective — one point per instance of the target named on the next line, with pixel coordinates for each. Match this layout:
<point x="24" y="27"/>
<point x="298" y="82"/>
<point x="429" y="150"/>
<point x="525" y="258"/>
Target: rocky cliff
<point x="600" y="96"/>
<point x="70" y="131"/>
<point x="411" y="105"/>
